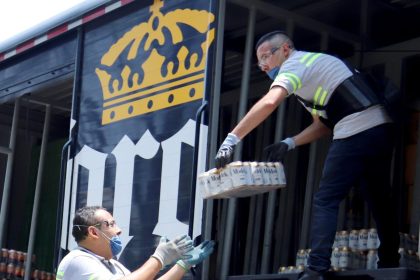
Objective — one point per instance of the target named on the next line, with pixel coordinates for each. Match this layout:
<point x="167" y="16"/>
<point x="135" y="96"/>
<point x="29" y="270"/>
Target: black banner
<point x="143" y="79"/>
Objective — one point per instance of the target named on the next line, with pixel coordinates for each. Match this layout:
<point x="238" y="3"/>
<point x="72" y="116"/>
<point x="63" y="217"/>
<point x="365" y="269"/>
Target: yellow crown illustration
<point x="161" y="66"/>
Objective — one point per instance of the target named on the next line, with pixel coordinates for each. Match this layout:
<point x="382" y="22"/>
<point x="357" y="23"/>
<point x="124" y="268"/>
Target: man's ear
<point x="92" y="232"/>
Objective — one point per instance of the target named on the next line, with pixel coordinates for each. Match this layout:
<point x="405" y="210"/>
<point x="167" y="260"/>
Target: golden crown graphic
<point x="162" y="67"/>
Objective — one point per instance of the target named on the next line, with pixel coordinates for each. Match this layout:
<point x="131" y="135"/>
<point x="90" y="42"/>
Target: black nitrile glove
<point x="225" y="153"/>
<point x="277" y="151"/>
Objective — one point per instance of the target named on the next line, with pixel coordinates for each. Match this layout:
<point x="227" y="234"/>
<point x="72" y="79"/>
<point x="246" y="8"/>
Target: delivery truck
<point x="124" y="103"/>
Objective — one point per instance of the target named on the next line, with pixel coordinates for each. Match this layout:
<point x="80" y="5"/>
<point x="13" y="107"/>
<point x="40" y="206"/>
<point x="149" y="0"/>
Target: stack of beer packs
<point x="239" y="179"/>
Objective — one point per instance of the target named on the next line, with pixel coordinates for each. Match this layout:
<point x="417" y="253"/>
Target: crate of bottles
<point x="240" y="179"/>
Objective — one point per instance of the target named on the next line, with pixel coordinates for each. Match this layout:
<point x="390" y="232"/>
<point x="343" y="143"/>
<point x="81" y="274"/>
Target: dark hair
<point x="84" y="218"/>
<point x="271" y="35"/>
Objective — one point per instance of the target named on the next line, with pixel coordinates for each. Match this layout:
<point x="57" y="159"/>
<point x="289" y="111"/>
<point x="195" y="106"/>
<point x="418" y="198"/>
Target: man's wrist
<point x="231" y="139"/>
<point x="156" y="257"/>
<point x="183" y="265"/>
<point x="290" y="143"/>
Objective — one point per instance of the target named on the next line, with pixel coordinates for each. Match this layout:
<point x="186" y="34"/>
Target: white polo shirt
<point x="82" y="264"/>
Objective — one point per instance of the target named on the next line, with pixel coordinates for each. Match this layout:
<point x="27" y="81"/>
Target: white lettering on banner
<point x="93" y="161"/>
<point x="168" y="224"/>
<point x="125" y="153"/>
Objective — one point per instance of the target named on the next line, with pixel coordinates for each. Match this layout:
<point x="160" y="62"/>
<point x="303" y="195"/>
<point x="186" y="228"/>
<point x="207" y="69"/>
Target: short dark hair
<point x="271" y="35"/>
<point x="84" y="218"/>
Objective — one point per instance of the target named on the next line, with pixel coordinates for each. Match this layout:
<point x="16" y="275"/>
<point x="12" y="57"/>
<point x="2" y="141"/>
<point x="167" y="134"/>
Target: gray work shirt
<point x="82" y="264"/>
<point x="314" y="77"/>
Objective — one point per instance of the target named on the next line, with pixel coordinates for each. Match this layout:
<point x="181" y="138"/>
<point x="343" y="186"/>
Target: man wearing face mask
<point x="340" y="101"/>
<point x="97" y="236"/>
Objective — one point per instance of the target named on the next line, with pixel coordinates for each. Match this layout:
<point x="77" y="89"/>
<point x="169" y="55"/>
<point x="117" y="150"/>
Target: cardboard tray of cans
<point x="240" y="179"/>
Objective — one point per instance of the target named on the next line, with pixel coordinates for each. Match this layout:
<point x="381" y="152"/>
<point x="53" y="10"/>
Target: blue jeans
<point x="363" y="159"/>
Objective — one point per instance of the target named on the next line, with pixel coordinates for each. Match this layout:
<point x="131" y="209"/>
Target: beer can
<point x="274" y="176"/>
<point x="351" y="259"/>
<point x="280" y="173"/>
<point x="373" y="240"/>
<point x="282" y="269"/>
<point x="363" y="259"/>
<point x="257" y="174"/>
<point x="214" y="181"/>
<point x="343" y="239"/>
<point x="203" y="183"/>
<point x="266" y="172"/>
<point x="403" y="257"/>
<point x="356" y="260"/>
<point x="4" y="255"/>
<point x="343" y="262"/>
<point x="35" y="274"/>
<point x="307" y="253"/>
<point x="2" y="269"/>
<point x="406" y="241"/>
<point x="363" y="238"/>
<point x="225" y="179"/>
<point x="372" y="259"/>
<point x="413" y="243"/>
<point x="300" y="257"/>
<point x="241" y="175"/>
<point x="402" y="240"/>
<point x="291" y="269"/>
<point x="300" y="269"/>
<point x="12" y="256"/>
<point x="412" y="258"/>
<point x="10" y="269"/>
<point x="354" y="240"/>
<point x="335" y="257"/>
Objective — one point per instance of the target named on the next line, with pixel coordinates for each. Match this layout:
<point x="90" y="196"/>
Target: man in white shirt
<point x="97" y="236"/>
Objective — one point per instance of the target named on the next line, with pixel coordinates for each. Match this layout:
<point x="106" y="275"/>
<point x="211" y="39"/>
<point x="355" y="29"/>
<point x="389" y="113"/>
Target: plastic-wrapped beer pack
<point x="240" y="179"/>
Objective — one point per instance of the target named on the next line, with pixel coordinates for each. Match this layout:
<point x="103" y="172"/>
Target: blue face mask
<point x="115" y="244"/>
<point x="273" y="72"/>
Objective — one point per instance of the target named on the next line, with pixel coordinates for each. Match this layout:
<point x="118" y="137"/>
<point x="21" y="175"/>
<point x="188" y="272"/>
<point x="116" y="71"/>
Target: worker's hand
<point x="277" y="151"/>
<point x="197" y="255"/>
<point x="224" y="155"/>
<point x="168" y="252"/>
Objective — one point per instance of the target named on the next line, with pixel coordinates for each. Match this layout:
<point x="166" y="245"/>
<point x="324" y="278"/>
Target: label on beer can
<point x="214" y="181"/>
<point x="257" y="174"/>
<point x="343" y="239"/>
<point x="266" y="171"/>
<point x="273" y="174"/>
<point x="372" y="242"/>
<point x="363" y="238"/>
<point x="343" y="262"/>
<point x="354" y="240"/>
<point x="300" y="257"/>
<point x="241" y="174"/>
<point x="335" y="258"/>
<point x="225" y="179"/>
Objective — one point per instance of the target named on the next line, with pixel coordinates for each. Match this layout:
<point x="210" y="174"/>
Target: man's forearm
<point x="313" y="132"/>
<point x="175" y="273"/>
<point x="147" y="271"/>
<point x="260" y="111"/>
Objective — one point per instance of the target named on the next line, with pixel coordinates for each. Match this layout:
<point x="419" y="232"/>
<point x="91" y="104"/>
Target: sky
<point x="17" y="16"/>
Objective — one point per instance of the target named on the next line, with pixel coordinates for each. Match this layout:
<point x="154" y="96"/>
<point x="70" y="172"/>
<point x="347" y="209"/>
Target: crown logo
<point x="162" y="66"/>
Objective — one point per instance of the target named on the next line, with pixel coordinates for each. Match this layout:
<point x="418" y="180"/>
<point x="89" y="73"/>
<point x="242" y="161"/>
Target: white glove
<point x="224" y="155"/>
<point x="168" y="252"/>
